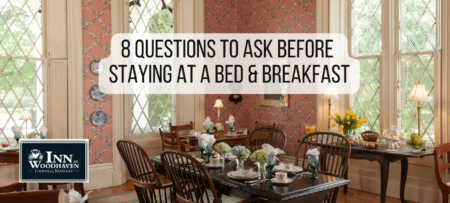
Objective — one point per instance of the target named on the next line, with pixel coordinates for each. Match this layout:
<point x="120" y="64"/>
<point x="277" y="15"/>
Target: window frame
<point x="388" y="93"/>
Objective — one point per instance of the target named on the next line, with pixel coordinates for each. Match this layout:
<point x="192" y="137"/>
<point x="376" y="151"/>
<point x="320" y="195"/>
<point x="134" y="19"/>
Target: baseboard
<point x="100" y="176"/>
<point x="413" y="193"/>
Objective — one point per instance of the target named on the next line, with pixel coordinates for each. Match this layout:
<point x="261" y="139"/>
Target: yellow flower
<point x="351" y="113"/>
<point x="330" y="117"/>
<point x="358" y="125"/>
<point x="341" y="127"/>
<point x="365" y="120"/>
<point x="334" y="124"/>
<point x="348" y="118"/>
<point x="354" y="117"/>
<point x="337" y="114"/>
<point x="347" y="111"/>
<point x="348" y="123"/>
<point x="340" y="117"/>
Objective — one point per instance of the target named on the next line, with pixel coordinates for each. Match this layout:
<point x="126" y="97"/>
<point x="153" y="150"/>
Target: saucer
<point x="10" y="149"/>
<point x="287" y="181"/>
<point x="292" y="169"/>
<point x="243" y="176"/>
<point x="209" y="165"/>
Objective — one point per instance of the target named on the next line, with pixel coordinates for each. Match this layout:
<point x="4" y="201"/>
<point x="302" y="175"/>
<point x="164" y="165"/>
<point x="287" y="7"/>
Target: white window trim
<point x="189" y="19"/>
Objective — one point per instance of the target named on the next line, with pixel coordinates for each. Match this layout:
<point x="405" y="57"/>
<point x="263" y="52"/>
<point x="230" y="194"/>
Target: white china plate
<point x="287" y="181"/>
<point x="292" y="169"/>
<point x="97" y="68"/>
<point x="238" y="175"/>
<point x="209" y="165"/>
<point x="99" y="118"/>
<point x="97" y="94"/>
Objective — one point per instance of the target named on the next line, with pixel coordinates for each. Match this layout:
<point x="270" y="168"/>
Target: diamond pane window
<point x="417" y="27"/>
<point x="413" y="68"/>
<point x="366" y="102"/>
<point x="151" y="112"/>
<point x="21" y="64"/>
<point x="366" y="27"/>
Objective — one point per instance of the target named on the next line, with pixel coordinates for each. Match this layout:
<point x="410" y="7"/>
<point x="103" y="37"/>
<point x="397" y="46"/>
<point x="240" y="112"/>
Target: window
<point x="22" y="64"/>
<point x="151" y="112"/>
<point x="415" y="46"/>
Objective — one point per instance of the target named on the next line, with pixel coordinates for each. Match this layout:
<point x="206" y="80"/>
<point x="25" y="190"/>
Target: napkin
<point x="71" y="197"/>
<point x="43" y="130"/>
<point x="208" y="121"/>
<point x="200" y="136"/>
<point x="269" y="150"/>
<point x="16" y="129"/>
<point x="313" y="152"/>
<point x="230" y="120"/>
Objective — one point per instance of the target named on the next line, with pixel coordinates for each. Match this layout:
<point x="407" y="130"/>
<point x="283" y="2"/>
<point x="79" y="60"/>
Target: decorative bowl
<point x="413" y="150"/>
<point x="370" y="136"/>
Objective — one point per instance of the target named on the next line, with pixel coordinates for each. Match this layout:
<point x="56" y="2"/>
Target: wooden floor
<point x="353" y="196"/>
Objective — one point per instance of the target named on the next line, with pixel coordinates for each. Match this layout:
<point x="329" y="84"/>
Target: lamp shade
<point x="25" y="115"/>
<point x="218" y="104"/>
<point x="330" y="93"/>
<point x="419" y="94"/>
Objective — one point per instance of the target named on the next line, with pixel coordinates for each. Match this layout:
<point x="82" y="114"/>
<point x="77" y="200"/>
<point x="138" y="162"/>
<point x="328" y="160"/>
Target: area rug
<point x="131" y="197"/>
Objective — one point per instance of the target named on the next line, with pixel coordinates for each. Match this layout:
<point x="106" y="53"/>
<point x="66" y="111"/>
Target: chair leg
<point x="444" y="197"/>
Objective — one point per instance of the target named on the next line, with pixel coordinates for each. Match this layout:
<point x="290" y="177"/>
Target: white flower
<point x="209" y="140"/>
<point x="230" y="120"/>
<point x="208" y="121"/>
<point x="269" y="150"/>
<point x="72" y="197"/>
<point x="43" y="130"/>
<point x="16" y="129"/>
<point x="313" y="152"/>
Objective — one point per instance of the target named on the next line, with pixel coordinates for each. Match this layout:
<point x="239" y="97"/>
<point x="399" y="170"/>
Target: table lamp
<point x="418" y="94"/>
<point x="218" y="105"/>
<point x="330" y="93"/>
<point x="25" y="116"/>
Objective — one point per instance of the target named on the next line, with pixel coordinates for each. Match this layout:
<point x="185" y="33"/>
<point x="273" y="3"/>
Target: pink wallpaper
<point x="96" y="45"/>
<point x="264" y="16"/>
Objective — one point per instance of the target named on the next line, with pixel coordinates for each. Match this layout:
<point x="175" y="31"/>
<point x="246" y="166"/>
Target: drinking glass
<point x="313" y="162"/>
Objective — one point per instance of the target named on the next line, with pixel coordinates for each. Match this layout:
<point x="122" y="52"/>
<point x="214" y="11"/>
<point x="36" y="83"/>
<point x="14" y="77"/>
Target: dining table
<point x="301" y="189"/>
<point x="232" y="140"/>
<point x="384" y="157"/>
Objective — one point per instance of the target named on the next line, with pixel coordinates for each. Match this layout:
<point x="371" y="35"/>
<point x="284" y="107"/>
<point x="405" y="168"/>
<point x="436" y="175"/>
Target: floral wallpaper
<point x="264" y="16"/>
<point x="96" y="45"/>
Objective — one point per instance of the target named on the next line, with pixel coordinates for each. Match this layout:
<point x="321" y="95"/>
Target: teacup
<point x="281" y="176"/>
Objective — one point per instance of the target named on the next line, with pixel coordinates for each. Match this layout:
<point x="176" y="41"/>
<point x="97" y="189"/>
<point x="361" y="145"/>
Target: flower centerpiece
<point x="206" y="141"/>
<point x="416" y="143"/>
<point x="241" y="154"/>
<point x="347" y="123"/>
<point x="230" y="123"/>
<point x="217" y="128"/>
<point x="313" y="160"/>
<point x="17" y="133"/>
<point x="208" y="123"/>
<point x="223" y="149"/>
<point x="259" y="156"/>
<point x="271" y="154"/>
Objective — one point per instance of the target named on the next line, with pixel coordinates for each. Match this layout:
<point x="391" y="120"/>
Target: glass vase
<point x="17" y="137"/>
<point x="313" y="162"/>
<point x="208" y="151"/>
<point x="262" y="171"/>
<point x="207" y="128"/>
<point x="201" y="147"/>
<point x="231" y="126"/>
<point x="271" y="161"/>
<point x="240" y="165"/>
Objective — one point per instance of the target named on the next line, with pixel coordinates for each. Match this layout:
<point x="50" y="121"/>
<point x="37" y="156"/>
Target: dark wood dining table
<point x="384" y="158"/>
<point x="302" y="189"/>
<point x="230" y="140"/>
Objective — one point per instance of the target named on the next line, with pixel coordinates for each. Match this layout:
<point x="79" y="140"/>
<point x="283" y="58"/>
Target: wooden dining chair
<point x="45" y="196"/>
<point x="10" y="185"/>
<point x="440" y="167"/>
<point x="178" y="128"/>
<point x="266" y="135"/>
<point x="172" y="141"/>
<point x="334" y="155"/>
<point x="143" y="174"/>
<point x="191" y="180"/>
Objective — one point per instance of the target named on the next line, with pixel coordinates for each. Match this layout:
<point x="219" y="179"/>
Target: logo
<point x="54" y="161"/>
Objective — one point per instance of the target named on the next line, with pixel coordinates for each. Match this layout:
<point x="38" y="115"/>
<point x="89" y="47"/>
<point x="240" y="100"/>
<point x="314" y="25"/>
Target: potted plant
<point x="415" y="143"/>
<point x="347" y="123"/>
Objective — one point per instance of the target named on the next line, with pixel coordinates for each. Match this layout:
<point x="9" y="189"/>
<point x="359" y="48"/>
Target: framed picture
<point x="274" y="100"/>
